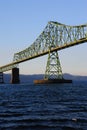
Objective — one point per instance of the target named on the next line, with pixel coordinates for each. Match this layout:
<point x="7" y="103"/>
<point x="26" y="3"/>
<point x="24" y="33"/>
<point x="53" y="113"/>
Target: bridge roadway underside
<point x="58" y="48"/>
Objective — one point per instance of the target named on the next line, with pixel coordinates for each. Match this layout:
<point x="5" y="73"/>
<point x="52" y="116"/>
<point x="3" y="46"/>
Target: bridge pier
<point x="1" y="77"/>
<point x="53" y="73"/>
<point x="15" y="76"/>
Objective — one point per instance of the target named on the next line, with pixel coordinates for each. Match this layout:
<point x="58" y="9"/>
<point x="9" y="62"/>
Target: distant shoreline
<point x="29" y="78"/>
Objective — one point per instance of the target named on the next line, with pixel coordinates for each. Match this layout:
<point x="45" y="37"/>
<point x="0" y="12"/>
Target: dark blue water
<point x="43" y="107"/>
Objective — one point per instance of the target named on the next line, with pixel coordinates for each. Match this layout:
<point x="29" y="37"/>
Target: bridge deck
<point x="14" y="64"/>
<point x="54" y="37"/>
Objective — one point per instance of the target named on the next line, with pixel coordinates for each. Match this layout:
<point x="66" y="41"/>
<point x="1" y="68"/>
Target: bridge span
<point x="55" y="37"/>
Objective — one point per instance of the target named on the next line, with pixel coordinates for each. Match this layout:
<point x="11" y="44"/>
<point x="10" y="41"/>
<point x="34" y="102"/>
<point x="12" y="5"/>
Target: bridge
<point x="54" y="37"/>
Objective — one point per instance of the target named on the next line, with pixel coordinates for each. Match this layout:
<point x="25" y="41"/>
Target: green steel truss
<point x="53" y="68"/>
<point x="55" y="36"/>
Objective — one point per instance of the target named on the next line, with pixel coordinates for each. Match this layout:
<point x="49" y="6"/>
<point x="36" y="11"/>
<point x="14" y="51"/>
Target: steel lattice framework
<point x="53" y="68"/>
<point x="55" y="36"/>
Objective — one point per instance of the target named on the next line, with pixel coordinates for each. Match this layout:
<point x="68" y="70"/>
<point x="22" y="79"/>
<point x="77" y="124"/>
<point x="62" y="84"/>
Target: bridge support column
<point x="53" y="68"/>
<point x="1" y="77"/>
<point x="15" y="76"/>
<point x="53" y="73"/>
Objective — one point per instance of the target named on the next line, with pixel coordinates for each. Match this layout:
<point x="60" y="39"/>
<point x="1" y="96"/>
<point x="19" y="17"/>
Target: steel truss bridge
<point x="54" y="37"/>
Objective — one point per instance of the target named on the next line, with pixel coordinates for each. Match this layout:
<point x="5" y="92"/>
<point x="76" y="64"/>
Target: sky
<point x="22" y="21"/>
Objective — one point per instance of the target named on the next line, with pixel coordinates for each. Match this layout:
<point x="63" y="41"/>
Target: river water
<point x="43" y="107"/>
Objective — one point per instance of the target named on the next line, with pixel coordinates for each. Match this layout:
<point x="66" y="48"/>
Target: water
<point x="43" y="107"/>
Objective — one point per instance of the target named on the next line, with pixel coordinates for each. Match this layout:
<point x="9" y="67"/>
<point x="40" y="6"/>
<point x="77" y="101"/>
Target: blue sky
<point x="21" y="21"/>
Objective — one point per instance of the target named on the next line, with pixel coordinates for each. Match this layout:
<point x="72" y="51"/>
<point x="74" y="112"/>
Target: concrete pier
<point x="52" y="81"/>
<point x="1" y="77"/>
<point x="15" y="76"/>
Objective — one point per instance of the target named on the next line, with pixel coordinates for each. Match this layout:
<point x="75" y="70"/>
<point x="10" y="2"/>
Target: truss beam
<point x="55" y="36"/>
